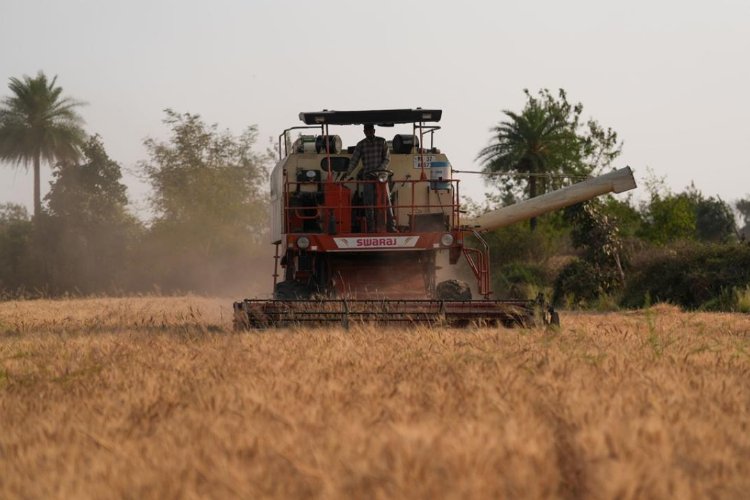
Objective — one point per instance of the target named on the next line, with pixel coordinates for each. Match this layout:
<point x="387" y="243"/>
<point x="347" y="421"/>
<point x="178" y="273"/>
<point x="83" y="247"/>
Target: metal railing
<point x="316" y="209"/>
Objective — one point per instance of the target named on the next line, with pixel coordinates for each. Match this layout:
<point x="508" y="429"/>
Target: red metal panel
<point x="371" y="242"/>
<point x="338" y="204"/>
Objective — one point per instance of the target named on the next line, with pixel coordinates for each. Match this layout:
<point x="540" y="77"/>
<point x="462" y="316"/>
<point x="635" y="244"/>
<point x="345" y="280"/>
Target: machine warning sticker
<point x="427" y="161"/>
<point x="367" y="242"/>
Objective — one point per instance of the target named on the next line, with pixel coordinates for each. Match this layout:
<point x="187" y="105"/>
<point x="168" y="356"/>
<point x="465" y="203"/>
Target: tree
<point x="545" y="143"/>
<point x="90" y="191"/>
<point x="15" y="243"/>
<point x="668" y="217"/>
<point x="210" y="202"/>
<point x="601" y="268"/>
<point x="629" y="218"/>
<point x="743" y="207"/>
<point x="688" y="215"/>
<point x="37" y="123"/>
<point x="714" y="220"/>
<point x="88" y="230"/>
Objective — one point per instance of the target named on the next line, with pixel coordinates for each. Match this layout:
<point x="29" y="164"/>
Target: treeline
<point x="206" y="232"/>
<point x="683" y="248"/>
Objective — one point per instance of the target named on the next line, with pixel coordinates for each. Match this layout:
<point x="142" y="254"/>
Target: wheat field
<point x="158" y="398"/>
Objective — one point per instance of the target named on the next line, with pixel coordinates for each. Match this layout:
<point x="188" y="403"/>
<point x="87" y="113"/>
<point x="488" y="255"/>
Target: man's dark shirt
<point x="373" y="151"/>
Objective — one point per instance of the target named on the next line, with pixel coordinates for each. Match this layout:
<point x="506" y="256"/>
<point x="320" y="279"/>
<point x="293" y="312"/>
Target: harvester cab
<point x="344" y="255"/>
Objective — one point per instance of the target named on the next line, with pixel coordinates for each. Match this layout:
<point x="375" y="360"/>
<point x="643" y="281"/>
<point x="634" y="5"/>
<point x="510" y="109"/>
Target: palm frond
<point x="38" y="123"/>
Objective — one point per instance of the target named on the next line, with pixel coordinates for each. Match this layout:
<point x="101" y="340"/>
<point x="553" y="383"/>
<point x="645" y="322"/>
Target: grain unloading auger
<point x="332" y="267"/>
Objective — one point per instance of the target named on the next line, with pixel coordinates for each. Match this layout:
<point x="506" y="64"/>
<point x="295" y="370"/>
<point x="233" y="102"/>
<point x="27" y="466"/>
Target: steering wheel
<point x="376" y="174"/>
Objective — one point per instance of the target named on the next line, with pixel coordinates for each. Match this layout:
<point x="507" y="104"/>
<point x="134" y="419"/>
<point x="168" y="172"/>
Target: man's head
<point x="369" y="129"/>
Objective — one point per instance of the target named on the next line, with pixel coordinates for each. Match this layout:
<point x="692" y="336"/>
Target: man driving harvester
<point x="373" y="151"/>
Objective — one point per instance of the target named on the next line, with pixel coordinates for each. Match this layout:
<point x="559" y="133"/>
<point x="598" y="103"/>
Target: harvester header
<point x="361" y="241"/>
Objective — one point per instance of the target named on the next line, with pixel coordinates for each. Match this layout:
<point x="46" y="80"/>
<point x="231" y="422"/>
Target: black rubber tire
<point x="291" y="290"/>
<point x="453" y="290"/>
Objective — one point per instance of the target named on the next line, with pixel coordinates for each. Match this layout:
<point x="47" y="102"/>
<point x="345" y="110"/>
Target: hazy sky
<point x="671" y="77"/>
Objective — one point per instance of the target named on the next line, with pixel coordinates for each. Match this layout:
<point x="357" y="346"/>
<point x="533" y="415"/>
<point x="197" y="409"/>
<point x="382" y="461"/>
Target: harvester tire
<point x="453" y="290"/>
<point x="291" y="290"/>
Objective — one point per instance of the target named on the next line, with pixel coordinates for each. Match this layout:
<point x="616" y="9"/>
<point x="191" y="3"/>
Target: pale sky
<point x="671" y="77"/>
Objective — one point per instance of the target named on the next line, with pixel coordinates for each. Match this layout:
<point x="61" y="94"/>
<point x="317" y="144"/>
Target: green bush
<point x="16" y="237"/>
<point x="577" y="285"/>
<point x="517" y="243"/>
<point x="520" y="258"/>
<point x="730" y="299"/>
<point x="518" y="280"/>
<point x="690" y="275"/>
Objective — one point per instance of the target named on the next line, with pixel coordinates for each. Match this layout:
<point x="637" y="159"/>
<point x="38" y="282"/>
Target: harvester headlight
<point x="303" y="242"/>
<point x="383" y="176"/>
<point x="446" y="240"/>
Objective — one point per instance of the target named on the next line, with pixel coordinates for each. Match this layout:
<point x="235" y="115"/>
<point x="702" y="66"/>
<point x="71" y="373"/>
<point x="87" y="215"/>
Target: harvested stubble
<point x="157" y="398"/>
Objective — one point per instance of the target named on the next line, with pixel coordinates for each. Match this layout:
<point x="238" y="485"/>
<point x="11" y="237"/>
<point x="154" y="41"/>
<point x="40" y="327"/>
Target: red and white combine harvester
<point x="332" y="267"/>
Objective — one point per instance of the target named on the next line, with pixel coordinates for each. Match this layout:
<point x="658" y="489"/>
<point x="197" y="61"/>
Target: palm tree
<point x="37" y="123"/>
<point x="539" y="141"/>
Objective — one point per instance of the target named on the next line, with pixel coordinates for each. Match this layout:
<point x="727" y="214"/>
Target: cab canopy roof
<point x="382" y="117"/>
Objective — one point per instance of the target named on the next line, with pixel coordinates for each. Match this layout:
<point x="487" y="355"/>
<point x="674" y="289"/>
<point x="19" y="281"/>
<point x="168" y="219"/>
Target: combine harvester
<point x="330" y="268"/>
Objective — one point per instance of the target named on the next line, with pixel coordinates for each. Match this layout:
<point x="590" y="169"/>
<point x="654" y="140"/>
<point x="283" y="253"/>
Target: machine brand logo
<point x="363" y="243"/>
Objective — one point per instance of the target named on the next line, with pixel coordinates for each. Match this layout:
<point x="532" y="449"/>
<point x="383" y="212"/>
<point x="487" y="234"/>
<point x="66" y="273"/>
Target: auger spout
<point x="617" y="181"/>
